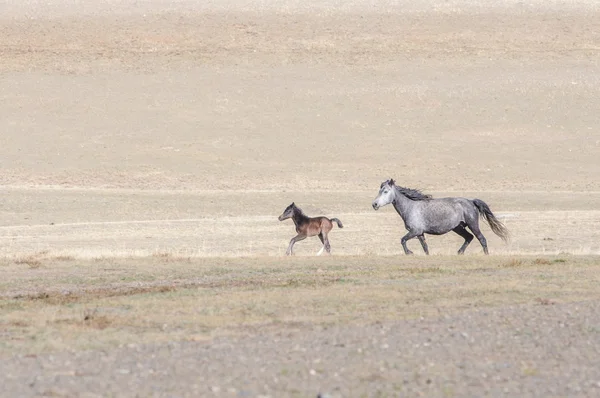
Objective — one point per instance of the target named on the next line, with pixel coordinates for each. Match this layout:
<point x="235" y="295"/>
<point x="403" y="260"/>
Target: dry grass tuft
<point x="529" y="370"/>
<point x="61" y="298"/>
<point x="424" y="270"/>
<point x="63" y="257"/>
<point x="162" y="255"/>
<point x="541" y="261"/>
<point x="93" y="320"/>
<point x="31" y="261"/>
<point x="34" y="260"/>
<point x="18" y="323"/>
<point x="168" y="257"/>
<point x="515" y="262"/>
<point x="544" y="301"/>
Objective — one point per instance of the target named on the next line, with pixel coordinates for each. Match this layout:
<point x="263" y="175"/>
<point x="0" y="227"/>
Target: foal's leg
<point x="295" y="239"/>
<point x="323" y="242"/>
<point x="406" y="237"/>
<point x="423" y="243"/>
<point x="465" y="234"/>
<point x="327" y="245"/>
<point x="475" y="228"/>
<point x="325" y="229"/>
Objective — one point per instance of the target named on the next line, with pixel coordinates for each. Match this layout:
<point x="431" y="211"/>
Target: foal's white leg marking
<point x="321" y="251"/>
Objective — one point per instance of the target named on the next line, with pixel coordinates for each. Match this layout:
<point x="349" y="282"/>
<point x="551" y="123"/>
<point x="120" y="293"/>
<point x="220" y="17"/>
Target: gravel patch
<point x="538" y="350"/>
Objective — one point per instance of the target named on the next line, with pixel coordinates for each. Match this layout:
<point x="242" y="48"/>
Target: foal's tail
<point x="497" y="226"/>
<point x="339" y="223"/>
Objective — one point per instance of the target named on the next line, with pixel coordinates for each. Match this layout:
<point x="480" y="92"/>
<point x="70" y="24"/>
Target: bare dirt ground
<point x="345" y="326"/>
<point x="146" y="149"/>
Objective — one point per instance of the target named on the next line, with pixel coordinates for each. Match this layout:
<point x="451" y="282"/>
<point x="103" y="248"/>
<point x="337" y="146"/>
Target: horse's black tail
<point x="486" y="213"/>
<point x="339" y="223"/>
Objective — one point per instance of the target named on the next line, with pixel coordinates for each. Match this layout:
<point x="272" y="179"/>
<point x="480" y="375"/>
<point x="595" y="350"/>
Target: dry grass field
<point x="57" y="304"/>
<point x="147" y="148"/>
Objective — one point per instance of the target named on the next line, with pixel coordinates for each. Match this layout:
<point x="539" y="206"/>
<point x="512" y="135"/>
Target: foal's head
<point x="386" y="194"/>
<point x="288" y="212"/>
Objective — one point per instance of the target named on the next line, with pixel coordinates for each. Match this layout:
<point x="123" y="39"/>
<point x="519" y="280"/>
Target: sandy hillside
<point x="198" y="111"/>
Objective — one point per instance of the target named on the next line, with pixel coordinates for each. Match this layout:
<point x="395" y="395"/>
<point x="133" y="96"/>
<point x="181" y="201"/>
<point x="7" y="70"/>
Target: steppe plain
<point x="147" y="148"/>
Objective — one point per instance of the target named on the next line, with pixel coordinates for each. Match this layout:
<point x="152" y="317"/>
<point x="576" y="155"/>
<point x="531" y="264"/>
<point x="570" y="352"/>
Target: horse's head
<point x="386" y="194"/>
<point x="288" y="212"/>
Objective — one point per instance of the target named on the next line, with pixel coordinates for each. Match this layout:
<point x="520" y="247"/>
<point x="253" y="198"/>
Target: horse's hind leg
<point x="423" y="243"/>
<point x="295" y="239"/>
<point x="465" y="234"/>
<point x="475" y="228"/>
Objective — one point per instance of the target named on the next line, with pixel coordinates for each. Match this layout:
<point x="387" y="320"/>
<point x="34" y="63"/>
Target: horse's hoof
<point x="409" y="253"/>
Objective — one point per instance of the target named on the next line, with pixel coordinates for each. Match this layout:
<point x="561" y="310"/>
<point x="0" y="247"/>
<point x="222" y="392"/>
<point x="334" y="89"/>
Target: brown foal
<point x="309" y="226"/>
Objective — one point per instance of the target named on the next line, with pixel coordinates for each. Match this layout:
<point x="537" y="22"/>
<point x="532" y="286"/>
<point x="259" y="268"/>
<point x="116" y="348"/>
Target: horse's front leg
<point x="405" y="238"/>
<point x="295" y="239"/>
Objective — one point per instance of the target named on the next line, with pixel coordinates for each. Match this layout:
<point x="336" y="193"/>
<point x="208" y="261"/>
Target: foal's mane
<point x="299" y="211"/>
<point x="413" y="194"/>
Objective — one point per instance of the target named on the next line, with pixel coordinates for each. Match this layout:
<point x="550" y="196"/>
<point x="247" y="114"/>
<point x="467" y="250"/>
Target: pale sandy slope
<point x="227" y="100"/>
<point x="471" y="98"/>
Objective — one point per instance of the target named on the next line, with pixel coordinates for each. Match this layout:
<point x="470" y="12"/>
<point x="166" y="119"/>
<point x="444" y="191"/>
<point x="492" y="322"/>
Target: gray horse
<point x="424" y="215"/>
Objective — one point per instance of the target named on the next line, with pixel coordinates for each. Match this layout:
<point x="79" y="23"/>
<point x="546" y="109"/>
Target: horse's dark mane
<point x="413" y="194"/>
